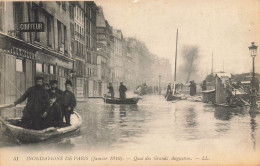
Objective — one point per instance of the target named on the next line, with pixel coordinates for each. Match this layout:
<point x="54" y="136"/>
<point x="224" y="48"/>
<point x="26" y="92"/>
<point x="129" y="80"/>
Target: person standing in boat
<point x="122" y="90"/>
<point x="169" y="90"/>
<point x="54" y="89"/>
<point x="192" y="88"/>
<point x="204" y="85"/>
<point x="37" y="105"/>
<point x="68" y="102"/>
<point x="111" y="90"/>
<point x="54" y="117"/>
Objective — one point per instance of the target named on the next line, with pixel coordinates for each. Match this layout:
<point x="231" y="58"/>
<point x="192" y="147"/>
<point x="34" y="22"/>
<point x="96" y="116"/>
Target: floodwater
<point x="157" y="126"/>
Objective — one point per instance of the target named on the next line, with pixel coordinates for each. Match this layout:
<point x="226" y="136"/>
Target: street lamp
<point x="253" y="53"/>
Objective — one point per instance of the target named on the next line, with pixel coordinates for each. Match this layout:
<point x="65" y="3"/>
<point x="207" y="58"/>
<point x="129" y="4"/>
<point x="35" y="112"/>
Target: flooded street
<point x="159" y="127"/>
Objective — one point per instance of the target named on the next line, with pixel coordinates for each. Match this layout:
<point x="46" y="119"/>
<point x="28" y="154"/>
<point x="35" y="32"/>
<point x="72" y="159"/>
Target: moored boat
<point x="133" y="100"/>
<point x="25" y="135"/>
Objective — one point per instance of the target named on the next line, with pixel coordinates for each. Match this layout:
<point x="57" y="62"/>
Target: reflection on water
<point x="253" y="128"/>
<point x="107" y="126"/>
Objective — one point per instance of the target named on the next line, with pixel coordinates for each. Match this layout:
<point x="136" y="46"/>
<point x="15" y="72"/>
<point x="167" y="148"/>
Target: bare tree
<point x="190" y="55"/>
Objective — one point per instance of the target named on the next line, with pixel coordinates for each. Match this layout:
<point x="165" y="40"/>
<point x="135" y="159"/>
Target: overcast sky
<point x="223" y="27"/>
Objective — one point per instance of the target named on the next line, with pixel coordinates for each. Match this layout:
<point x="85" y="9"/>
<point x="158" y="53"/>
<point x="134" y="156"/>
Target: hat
<point x="53" y="82"/>
<point x="52" y="95"/>
<point x="68" y="82"/>
<point x="46" y="84"/>
<point x="38" y="78"/>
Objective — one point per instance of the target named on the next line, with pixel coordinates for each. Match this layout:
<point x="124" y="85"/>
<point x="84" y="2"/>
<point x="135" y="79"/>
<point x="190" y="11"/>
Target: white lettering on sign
<point x="31" y="27"/>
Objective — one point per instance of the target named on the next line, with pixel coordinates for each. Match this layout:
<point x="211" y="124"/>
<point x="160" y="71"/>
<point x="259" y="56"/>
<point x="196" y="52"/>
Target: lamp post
<point x="253" y="53"/>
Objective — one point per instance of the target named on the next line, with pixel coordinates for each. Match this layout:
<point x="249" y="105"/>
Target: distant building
<point x="103" y="51"/>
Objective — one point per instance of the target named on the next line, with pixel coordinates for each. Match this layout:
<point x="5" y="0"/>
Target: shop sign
<point x="31" y="27"/>
<point x="23" y="53"/>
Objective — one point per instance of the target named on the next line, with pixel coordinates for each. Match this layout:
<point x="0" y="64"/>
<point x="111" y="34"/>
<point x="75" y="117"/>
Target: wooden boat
<point x="171" y="97"/>
<point x="133" y="100"/>
<point x="28" y="135"/>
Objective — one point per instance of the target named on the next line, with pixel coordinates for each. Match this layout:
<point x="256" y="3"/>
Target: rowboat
<point x="133" y="100"/>
<point x="28" y="135"/>
<point x="171" y="97"/>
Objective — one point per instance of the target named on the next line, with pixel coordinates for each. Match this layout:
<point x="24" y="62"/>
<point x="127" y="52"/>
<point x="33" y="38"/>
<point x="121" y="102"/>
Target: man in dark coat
<point x="68" y="102"/>
<point x="122" y="90"/>
<point x="37" y="106"/>
<point x="54" y="117"/>
<point x="204" y="85"/>
<point x="192" y="88"/>
<point x="111" y="90"/>
<point x="54" y="89"/>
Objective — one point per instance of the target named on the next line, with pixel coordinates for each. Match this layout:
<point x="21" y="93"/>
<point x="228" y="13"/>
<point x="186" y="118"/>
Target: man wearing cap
<point x="37" y="105"/>
<point x="122" y="90"/>
<point x="68" y="102"/>
<point x="54" y="89"/>
<point x="110" y="90"/>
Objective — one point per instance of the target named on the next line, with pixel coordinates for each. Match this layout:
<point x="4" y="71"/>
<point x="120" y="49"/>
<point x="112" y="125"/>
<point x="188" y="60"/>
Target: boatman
<point x="168" y="91"/>
<point x="110" y="90"/>
<point x="122" y="90"/>
<point x="68" y="102"/>
<point x="37" y="105"/>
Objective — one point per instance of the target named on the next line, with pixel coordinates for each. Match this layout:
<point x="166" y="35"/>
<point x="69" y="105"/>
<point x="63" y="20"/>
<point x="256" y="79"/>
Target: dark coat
<point x="37" y="103"/>
<point x="58" y="93"/>
<point x="55" y="116"/>
<point x="192" y="88"/>
<point x="111" y="90"/>
<point x="68" y="100"/>
<point x="122" y="90"/>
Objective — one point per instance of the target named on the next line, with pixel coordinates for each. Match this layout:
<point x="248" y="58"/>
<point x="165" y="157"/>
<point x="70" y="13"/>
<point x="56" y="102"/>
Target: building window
<point x="62" y="36"/>
<point x="88" y="57"/>
<point x="71" y="11"/>
<point x="1" y="15"/>
<point x="35" y="15"/>
<point x="63" y="5"/>
<point x="45" y="68"/>
<point x="49" y="25"/>
<point x="51" y="69"/>
<point x="39" y="67"/>
<point x="20" y="65"/>
<point x="18" y="9"/>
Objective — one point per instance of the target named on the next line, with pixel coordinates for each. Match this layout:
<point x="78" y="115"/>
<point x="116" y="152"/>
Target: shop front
<point x="17" y="60"/>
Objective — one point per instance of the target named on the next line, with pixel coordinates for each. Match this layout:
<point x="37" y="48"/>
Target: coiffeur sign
<point x="31" y="27"/>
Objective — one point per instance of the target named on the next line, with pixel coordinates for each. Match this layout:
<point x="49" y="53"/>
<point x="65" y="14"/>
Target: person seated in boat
<point x="54" y="117"/>
<point x="68" y="102"/>
<point x="36" y="107"/>
<point x="54" y="89"/>
<point x="122" y="90"/>
<point x="46" y="86"/>
<point x="110" y="90"/>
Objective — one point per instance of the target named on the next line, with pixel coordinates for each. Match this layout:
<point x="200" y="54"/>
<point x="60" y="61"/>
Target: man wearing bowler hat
<point x="68" y="102"/>
<point x="54" y="89"/>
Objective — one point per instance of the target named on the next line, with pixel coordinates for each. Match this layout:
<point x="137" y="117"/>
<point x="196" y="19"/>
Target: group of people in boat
<point x="178" y="87"/>
<point x="122" y="90"/>
<point x="47" y="105"/>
